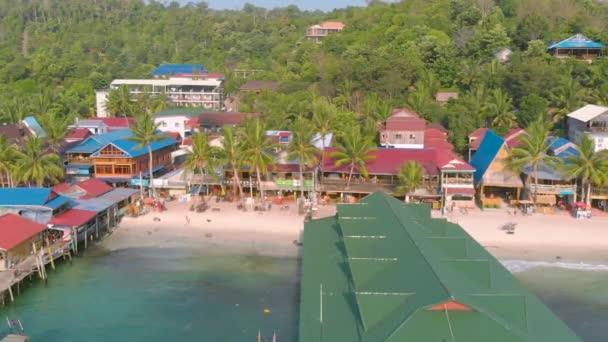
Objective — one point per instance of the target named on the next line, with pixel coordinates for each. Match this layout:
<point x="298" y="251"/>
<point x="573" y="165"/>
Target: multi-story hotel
<point x="194" y="88"/>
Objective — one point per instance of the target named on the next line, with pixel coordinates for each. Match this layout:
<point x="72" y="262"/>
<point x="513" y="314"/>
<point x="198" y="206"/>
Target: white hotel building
<point x="183" y="90"/>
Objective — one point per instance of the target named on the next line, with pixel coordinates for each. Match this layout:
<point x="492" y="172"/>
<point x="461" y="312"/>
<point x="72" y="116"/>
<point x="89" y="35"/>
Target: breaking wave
<point x="520" y="265"/>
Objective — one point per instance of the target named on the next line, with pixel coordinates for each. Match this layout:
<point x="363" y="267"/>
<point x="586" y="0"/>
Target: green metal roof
<point x="372" y="272"/>
<point x="185" y="111"/>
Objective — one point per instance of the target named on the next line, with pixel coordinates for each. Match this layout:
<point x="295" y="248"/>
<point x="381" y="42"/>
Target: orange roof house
<point x="320" y="31"/>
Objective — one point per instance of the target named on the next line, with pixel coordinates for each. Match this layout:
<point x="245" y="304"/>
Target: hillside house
<point x="318" y="32"/>
<point x="591" y="120"/>
<point x="577" y="46"/>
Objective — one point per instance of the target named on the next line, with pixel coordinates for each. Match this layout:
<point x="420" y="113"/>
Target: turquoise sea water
<point x="162" y="295"/>
<point x="181" y="295"/>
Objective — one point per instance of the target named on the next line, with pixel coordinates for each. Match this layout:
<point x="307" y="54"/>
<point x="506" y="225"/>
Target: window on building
<point x="122" y="169"/>
<point x="164" y="124"/>
<point x="398" y="136"/>
<point x="111" y="150"/>
<point x="177" y="124"/>
<point x="104" y="169"/>
<point x="412" y="136"/>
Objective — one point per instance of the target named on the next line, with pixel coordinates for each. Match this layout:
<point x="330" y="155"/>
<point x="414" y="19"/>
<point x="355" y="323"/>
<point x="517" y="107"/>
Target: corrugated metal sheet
<point x="119" y="194"/>
<point x="588" y="112"/>
<point x="15" y="229"/>
<point x="31" y="197"/>
<point x="73" y="218"/>
<point x="96" y="142"/>
<point x="383" y="271"/>
<point x="171" y="69"/>
<point x="578" y="41"/>
<point x="35" y="126"/>
<point x="94" y="204"/>
<point x="485" y="155"/>
<point x="132" y="149"/>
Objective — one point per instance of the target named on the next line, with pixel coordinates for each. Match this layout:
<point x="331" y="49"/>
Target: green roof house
<point x="381" y="270"/>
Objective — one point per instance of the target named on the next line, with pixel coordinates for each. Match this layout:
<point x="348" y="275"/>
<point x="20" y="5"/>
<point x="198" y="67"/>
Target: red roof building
<point x="73" y="218"/>
<point x="387" y="161"/>
<point x="437" y="139"/>
<point x="512" y="137"/>
<point x="16" y="230"/>
<point x="94" y="187"/>
<point x="403" y="129"/>
<point x="78" y="134"/>
<point x="117" y="123"/>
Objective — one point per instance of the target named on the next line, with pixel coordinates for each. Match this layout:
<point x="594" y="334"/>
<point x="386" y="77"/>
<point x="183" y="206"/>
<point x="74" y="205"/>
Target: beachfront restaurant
<point x="122" y="197"/>
<point x="77" y="226"/>
<point x="553" y="187"/>
<point x="18" y="236"/>
<point x="105" y="218"/>
<point x="495" y="181"/>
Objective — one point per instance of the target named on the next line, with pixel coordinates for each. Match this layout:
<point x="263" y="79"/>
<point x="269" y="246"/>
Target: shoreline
<point x="537" y="238"/>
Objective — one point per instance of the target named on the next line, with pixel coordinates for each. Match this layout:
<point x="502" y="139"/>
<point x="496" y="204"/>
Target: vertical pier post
<point x="52" y="258"/>
<point x="10" y="292"/>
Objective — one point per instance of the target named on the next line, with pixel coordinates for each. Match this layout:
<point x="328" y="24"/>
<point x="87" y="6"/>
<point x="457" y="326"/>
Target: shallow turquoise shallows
<point x="175" y="295"/>
<point x="162" y="295"/>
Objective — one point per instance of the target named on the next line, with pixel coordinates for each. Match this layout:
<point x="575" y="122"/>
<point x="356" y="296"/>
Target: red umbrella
<point x="580" y="205"/>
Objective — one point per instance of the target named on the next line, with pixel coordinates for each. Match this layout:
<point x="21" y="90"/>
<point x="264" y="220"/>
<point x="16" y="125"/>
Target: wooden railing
<point x="551" y="188"/>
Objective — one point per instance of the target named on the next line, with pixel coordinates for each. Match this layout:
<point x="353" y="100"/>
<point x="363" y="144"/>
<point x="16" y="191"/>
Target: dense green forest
<point x="54" y="53"/>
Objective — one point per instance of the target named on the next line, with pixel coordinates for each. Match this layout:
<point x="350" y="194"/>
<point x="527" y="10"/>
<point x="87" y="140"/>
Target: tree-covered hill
<point x="54" y="53"/>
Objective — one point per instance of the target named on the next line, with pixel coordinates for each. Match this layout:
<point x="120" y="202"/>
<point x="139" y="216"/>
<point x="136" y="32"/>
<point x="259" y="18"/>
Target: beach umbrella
<point x="580" y="204"/>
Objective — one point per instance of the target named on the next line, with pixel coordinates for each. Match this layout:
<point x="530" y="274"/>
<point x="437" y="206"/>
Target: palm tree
<point x="199" y="157"/>
<point x="8" y="154"/>
<point x="232" y="155"/>
<point x="33" y="165"/>
<point x="120" y="101"/>
<point x="588" y="165"/>
<point x="323" y="119"/>
<point x="256" y="150"/>
<point x="145" y="133"/>
<point x="500" y="110"/>
<point x="301" y="148"/>
<point x="410" y="178"/>
<point x="354" y="149"/>
<point x="533" y="151"/>
<point x="56" y="128"/>
<point x="159" y="103"/>
<point x="567" y="97"/>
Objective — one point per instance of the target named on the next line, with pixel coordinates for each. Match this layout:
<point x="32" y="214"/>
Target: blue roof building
<point x="172" y="69"/>
<point x="562" y="147"/>
<point x="36" y="204"/>
<point x="577" y="46"/>
<point x="492" y="172"/>
<point x="34" y="126"/>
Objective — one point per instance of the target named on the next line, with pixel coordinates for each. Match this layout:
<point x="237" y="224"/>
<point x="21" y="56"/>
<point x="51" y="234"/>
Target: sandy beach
<point x="223" y="228"/>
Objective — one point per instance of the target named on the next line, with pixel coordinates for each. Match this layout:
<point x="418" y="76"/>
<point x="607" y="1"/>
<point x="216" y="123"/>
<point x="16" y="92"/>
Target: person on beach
<point x="187" y="220"/>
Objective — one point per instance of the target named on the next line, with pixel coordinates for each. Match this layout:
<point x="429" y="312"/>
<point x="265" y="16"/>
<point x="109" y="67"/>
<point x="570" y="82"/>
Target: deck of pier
<point x="15" y="338"/>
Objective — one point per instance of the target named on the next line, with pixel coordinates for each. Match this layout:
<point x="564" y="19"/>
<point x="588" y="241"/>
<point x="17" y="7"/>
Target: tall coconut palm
<point x="56" y="128"/>
<point x="199" y="157"/>
<point x="410" y="178"/>
<point x="588" y="166"/>
<point x="145" y="133"/>
<point x="233" y="156"/>
<point x="120" y="102"/>
<point x="8" y="155"/>
<point x="533" y="151"/>
<point x="499" y="110"/>
<point x="323" y="119"/>
<point x="301" y="148"/>
<point x="354" y="149"/>
<point x="256" y="150"/>
<point x="567" y="97"/>
<point x="34" y="166"/>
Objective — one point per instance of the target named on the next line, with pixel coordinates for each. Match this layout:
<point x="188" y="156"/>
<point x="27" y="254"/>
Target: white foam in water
<point x="520" y="265"/>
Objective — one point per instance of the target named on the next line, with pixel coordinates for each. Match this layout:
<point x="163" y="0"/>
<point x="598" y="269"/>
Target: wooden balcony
<point x="552" y="189"/>
<point x="599" y="193"/>
<point x="80" y="161"/>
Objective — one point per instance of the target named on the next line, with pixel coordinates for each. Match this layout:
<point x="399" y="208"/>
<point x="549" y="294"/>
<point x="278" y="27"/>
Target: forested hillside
<point x="54" y="53"/>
